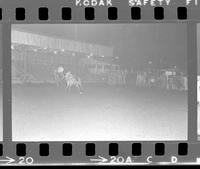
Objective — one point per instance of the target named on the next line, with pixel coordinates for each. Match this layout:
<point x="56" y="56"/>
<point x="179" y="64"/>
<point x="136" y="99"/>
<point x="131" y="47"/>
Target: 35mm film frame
<point x="129" y="152"/>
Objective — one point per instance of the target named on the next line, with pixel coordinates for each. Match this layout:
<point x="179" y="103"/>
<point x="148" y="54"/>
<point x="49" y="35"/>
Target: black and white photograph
<point x="1" y="88"/>
<point x="99" y="82"/>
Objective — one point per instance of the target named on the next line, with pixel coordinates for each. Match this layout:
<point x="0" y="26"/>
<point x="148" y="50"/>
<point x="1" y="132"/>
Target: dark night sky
<point x="134" y="44"/>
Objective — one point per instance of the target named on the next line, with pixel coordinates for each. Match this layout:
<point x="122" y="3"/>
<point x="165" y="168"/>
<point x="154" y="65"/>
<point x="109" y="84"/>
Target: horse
<point x="67" y="80"/>
<point x="72" y="80"/>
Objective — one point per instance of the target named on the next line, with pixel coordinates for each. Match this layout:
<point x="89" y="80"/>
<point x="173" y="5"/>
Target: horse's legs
<point x="66" y="85"/>
<point x="79" y="85"/>
<point x="70" y="85"/>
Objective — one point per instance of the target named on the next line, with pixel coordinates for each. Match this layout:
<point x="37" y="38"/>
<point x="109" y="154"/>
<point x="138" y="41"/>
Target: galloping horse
<point x="67" y="79"/>
<point x="71" y="80"/>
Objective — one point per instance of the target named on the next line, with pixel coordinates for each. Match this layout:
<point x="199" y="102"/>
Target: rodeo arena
<point x="70" y="89"/>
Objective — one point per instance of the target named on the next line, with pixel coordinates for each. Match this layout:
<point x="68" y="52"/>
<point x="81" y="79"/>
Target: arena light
<point x="102" y="56"/>
<point x="55" y="52"/>
<point x="63" y="50"/>
<point x="35" y="50"/>
<point x="45" y="48"/>
<point x="12" y="46"/>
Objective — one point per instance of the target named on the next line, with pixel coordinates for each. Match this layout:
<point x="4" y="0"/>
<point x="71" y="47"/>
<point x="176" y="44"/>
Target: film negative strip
<point x="99" y="82"/>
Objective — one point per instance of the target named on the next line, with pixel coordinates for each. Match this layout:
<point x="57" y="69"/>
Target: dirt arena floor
<point x="47" y="113"/>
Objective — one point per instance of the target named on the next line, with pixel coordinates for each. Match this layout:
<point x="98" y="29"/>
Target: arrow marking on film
<point x="8" y="160"/>
<point x="99" y="159"/>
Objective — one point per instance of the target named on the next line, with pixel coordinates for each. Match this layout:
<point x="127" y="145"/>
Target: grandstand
<point x="37" y="63"/>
